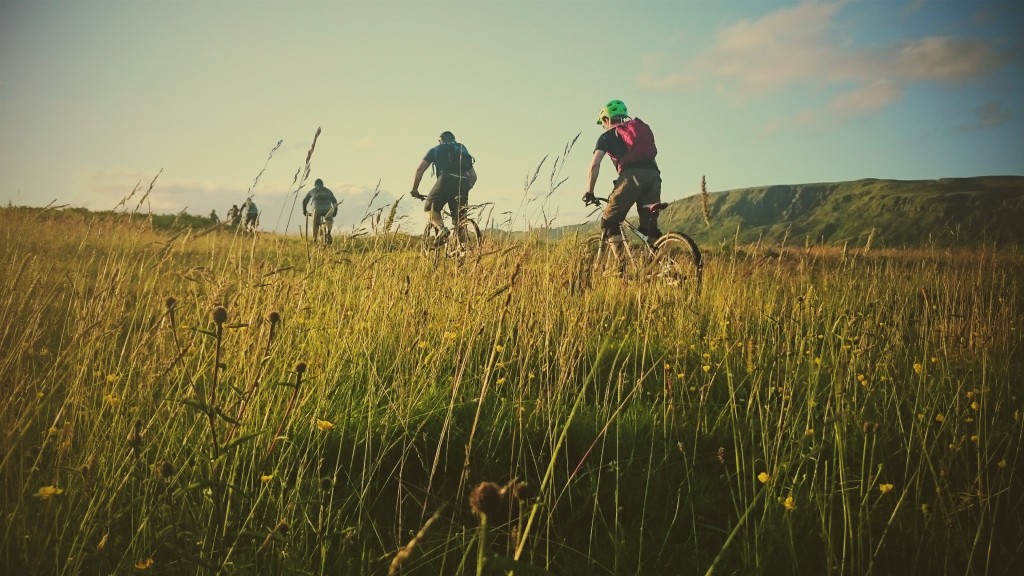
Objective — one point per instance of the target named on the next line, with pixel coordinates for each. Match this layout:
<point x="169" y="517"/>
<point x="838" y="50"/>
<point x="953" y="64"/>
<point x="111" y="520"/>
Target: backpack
<point x="452" y="158"/>
<point x="639" y="141"/>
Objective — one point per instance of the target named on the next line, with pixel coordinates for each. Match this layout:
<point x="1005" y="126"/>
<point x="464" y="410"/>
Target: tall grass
<point x="235" y="404"/>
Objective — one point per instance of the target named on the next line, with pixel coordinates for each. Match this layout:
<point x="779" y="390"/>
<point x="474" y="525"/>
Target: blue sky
<point x="98" y="97"/>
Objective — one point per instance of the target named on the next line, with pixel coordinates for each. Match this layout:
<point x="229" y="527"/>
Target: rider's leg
<point x="317" y="222"/>
<point x="650" y="193"/>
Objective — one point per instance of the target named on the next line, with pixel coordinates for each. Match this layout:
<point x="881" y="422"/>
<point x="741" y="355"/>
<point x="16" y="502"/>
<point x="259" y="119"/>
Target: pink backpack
<point x="639" y="140"/>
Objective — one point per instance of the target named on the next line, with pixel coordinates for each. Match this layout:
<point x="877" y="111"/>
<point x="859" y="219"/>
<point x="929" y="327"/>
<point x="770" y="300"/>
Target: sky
<point x="206" y="102"/>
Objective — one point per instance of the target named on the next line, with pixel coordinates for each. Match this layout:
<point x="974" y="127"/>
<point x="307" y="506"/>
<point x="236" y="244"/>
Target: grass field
<point x="223" y="404"/>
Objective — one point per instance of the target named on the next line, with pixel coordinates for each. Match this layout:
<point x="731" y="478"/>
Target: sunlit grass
<point x="223" y="403"/>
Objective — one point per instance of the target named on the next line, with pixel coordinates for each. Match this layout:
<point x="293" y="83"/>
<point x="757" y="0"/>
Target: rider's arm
<point x="595" y="168"/>
<point x="419" y="174"/>
<point x="472" y="176"/>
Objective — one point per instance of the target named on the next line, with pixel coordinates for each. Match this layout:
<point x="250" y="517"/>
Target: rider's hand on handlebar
<point x="589" y="198"/>
<point x="416" y="194"/>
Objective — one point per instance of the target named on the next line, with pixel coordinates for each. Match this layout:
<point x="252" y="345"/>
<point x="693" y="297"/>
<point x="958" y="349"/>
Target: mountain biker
<point x="234" y="216"/>
<point x="325" y="206"/>
<point x="252" y="214"/>
<point x="455" y="178"/>
<point x="639" y="179"/>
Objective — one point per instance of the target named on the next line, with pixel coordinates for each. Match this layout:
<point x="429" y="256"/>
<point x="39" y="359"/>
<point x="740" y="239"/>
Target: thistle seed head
<point x="487" y="499"/>
<point x="220" y="315"/>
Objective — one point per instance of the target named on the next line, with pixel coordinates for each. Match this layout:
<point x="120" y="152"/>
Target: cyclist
<point x="325" y="206"/>
<point x="630" y="144"/>
<point x="234" y="216"/>
<point x="456" y="176"/>
<point x="252" y="215"/>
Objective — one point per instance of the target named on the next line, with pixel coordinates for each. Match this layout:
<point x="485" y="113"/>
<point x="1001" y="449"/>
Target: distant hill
<point x="901" y="213"/>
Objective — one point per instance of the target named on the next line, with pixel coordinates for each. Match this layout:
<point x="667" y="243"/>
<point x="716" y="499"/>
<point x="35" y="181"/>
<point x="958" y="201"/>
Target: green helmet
<point x="612" y="109"/>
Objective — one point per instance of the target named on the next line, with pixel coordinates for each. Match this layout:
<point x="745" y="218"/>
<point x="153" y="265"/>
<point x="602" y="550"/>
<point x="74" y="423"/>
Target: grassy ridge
<point x="813" y="411"/>
<point x="958" y="212"/>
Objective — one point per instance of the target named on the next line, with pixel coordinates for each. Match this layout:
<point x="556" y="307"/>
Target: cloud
<point x="807" y="46"/>
<point x="943" y="59"/>
<point x="869" y="98"/>
<point x="790" y="45"/>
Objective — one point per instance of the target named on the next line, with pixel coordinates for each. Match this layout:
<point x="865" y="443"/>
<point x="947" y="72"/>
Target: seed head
<point x="300" y="367"/>
<point x="220" y="315"/>
<point x="170" y="302"/>
<point x="486" y="499"/>
<point x="523" y="492"/>
<point x="275" y="317"/>
<point x="166" y="469"/>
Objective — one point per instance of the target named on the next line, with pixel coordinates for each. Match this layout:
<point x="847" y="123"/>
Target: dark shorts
<point x="634" y="187"/>
<point x="450" y="191"/>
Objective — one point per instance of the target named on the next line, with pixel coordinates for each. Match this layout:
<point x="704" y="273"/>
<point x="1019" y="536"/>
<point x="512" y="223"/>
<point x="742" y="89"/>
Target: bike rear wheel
<point x="677" y="262"/>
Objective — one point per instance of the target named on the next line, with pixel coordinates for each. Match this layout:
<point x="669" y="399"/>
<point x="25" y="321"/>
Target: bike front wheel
<point x="430" y="241"/>
<point x="677" y="262"/>
<point x="469" y="236"/>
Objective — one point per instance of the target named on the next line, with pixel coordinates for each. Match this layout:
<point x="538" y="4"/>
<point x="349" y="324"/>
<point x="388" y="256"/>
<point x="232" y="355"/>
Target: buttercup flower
<point x="885" y="488"/>
<point x="46" y="492"/>
<point x="789" y="503"/>
<point x="324" y="425"/>
<point x="763" y="477"/>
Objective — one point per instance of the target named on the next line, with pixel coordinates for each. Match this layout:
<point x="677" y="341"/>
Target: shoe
<point x="442" y="236"/>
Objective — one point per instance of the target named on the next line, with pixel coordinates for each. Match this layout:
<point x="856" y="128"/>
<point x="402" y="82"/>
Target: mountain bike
<point x="673" y="259"/>
<point x="465" y="239"/>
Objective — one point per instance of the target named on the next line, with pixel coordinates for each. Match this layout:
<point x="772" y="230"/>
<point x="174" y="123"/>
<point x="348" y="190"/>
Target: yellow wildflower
<point x="450" y="335"/>
<point x="885" y="488"/>
<point x="500" y="381"/>
<point x="940" y="418"/>
<point x="918" y="367"/>
<point x="46" y="492"/>
<point x="266" y="478"/>
<point x="706" y="368"/>
<point x="1002" y="463"/>
<point x="421" y="344"/>
<point x="789" y="503"/>
<point x="324" y="425"/>
<point x="924" y="508"/>
<point x="974" y="406"/>
<point x="112" y="400"/>
<point x="498" y="348"/>
<point x="144" y="564"/>
<point x="763" y="477"/>
<point x="112" y="378"/>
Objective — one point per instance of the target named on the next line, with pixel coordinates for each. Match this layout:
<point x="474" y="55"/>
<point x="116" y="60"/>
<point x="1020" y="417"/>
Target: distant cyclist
<point x="252" y="215"/>
<point x="456" y="176"/>
<point x="630" y="144"/>
<point x="234" y="216"/>
<point x="325" y="207"/>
